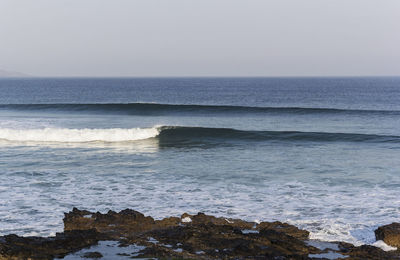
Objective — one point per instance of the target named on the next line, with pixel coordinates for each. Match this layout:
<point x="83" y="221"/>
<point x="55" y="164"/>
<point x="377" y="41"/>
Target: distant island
<point x="12" y="74"/>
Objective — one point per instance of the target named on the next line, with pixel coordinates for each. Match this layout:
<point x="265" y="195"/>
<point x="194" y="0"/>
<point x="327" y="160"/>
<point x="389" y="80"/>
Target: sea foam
<point x="78" y="135"/>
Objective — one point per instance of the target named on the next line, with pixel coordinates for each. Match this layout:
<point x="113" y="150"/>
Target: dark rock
<point x="112" y="224"/>
<point x="93" y="255"/>
<point x="202" y="218"/>
<point x="390" y="234"/>
<point x="366" y="252"/>
<point x="223" y="242"/>
<point x="285" y="228"/>
<point x="168" y="222"/>
<point x="15" y="247"/>
<point x="195" y="236"/>
<point x="189" y="237"/>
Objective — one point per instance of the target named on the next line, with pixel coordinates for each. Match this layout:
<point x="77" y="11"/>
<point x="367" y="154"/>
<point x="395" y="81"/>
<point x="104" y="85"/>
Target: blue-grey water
<point x="320" y="153"/>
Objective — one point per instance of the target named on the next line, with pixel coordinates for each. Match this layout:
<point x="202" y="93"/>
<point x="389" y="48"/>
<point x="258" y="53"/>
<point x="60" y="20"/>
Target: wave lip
<point x="66" y="135"/>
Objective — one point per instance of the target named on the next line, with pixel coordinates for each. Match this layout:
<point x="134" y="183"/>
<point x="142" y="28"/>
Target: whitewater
<point x="78" y="135"/>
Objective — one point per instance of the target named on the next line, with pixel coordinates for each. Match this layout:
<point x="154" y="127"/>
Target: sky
<point x="156" y="38"/>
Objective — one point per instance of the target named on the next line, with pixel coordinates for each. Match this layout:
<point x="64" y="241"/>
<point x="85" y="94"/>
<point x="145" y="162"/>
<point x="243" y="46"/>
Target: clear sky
<point x="200" y="38"/>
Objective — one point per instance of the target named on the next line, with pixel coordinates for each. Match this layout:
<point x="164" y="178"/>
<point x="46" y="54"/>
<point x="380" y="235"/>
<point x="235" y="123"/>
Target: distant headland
<point x="12" y="74"/>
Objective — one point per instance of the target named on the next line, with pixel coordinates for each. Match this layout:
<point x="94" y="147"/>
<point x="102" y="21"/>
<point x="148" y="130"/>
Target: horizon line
<point x="221" y="76"/>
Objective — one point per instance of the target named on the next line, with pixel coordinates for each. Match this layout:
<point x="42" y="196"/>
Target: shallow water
<point x="319" y="153"/>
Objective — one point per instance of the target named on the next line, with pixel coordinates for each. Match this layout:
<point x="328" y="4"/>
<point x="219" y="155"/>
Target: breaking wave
<point x="78" y="135"/>
<point x="183" y="135"/>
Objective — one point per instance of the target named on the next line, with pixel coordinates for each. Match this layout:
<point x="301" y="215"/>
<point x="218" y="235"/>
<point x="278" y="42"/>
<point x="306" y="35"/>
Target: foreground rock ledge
<point x="390" y="234"/>
<point x="187" y="237"/>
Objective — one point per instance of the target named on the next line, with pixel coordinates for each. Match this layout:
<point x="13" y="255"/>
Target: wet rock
<point x="112" y="224"/>
<point x="93" y="255"/>
<point x="197" y="236"/>
<point x="15" y="247"/>
<point x="167" y="222"/>
<point x="285" y="228"/>
<point x="366" y="252"/>
<point x="211" y="241"/>
<point x="390" y="234"/>
<point x="202" y="218"/>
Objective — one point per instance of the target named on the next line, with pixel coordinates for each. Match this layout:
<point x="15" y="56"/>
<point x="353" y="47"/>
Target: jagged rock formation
<point x="187" y="237"/>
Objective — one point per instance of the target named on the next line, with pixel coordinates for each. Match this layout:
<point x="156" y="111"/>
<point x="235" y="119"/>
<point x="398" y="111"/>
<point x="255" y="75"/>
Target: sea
<point x="319" y="153"/>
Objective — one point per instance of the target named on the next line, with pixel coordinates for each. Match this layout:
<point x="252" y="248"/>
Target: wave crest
<point x="78" y="135"/>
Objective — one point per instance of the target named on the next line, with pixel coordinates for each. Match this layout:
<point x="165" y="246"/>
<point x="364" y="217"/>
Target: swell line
<point x="159" y="109"/>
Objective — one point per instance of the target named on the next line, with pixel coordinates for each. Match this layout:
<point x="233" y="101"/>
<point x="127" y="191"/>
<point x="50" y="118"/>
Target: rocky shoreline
<point x="187" y="237"/>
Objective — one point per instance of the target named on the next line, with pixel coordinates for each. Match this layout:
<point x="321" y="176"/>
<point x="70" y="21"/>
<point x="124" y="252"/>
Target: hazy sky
<point x="200" y="38"/>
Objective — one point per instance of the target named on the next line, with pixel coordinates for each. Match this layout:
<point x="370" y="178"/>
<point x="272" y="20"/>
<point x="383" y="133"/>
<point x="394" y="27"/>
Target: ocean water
<point x="320" y="153"/>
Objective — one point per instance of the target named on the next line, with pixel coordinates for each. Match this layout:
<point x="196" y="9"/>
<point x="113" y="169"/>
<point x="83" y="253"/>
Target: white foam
<point x="153" y="240"/>
<point x="67" y="135"/>
<point x="385" y="247"/>
<point x="186" y="220"/>
<point x="227" y="220"/>
<point x="109" y="250"/>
